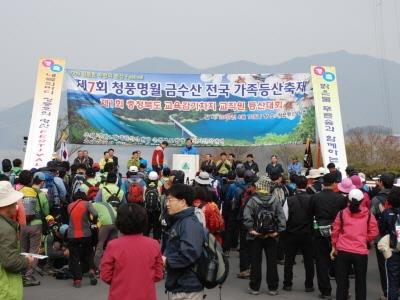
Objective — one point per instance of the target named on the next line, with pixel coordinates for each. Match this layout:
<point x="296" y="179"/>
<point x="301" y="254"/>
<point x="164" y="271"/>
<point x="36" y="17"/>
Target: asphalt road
<point x="233" y="289"/>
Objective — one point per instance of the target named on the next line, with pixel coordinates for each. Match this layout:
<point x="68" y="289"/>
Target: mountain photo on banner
<point x="214" y="109"/>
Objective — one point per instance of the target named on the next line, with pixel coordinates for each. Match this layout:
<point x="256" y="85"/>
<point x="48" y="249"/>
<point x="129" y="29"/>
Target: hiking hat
<point x="322" y="171"/>
<point x="8" y="195"/>
<point x="133" y="169"/>
<point x="153" y="176"/>
<point x="362" y="176"/>
<point x="262" y="184"/>
<point x="40" y="175"/>
<point x="356" y="194"/>
<point x="314" y="173"/>
<point x="203" y="178"/>
<point x="346" y="186"/>
<point x="356" y="180"/>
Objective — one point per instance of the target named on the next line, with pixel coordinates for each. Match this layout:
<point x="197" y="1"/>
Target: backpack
<point x="234" y="196"/>
<point x="152" y="200"/>
<point x="214" y="220"/>
<point x="265" y="221"/>
<point x="212" y="268"/>
<point x="30" y="207"/>
<point x="77" y="182"/>
<point x="113" y="199"/>
<point x="52" y="190"/>
<point x="93" y="190"/>
<point x="135" y="192"/>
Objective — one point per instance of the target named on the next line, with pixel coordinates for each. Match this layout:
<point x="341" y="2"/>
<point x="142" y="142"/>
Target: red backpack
<point x="93" y="190"/>
<point x="135" y="192"/>
<point x="214" y="220"/>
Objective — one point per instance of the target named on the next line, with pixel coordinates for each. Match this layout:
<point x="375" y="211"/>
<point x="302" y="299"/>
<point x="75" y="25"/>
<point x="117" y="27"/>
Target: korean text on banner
<point x="328" y="116"/>
<point x="44" y="118"/>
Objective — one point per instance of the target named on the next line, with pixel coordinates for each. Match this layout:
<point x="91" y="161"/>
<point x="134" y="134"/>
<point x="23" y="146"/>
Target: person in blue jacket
<point x="189" y="148"/>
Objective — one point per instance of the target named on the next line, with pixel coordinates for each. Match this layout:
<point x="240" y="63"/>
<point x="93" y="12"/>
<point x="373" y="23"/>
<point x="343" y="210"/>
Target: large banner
<point x="213" y="109"/>
<point x="328" y="116"/>
<point x="46" y="104"/>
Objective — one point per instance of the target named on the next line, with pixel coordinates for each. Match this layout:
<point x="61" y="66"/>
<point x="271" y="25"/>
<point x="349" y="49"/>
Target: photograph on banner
<point x="213" y="109"/>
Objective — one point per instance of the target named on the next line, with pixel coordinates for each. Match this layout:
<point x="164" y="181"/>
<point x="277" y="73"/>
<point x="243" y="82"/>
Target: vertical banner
<point x="328" y="116"/>
<point x="44" y="118"/>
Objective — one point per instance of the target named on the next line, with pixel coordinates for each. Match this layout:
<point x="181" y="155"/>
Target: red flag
<point x="308" y="161"/>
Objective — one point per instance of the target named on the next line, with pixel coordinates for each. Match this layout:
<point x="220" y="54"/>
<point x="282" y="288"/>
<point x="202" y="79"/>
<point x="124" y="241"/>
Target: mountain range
<point x="367" y="88"/>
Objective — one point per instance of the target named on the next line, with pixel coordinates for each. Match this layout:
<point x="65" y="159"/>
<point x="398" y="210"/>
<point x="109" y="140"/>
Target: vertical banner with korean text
<point x="44" y="118"/>
<point x="328" y="116"/>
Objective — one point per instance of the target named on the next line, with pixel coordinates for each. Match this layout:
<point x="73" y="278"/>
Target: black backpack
<point x="152" y="200"/>
<point x="265" y="221"/>
<point x="113" y="199"/>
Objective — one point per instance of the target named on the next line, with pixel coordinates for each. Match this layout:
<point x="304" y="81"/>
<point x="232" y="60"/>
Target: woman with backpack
<point x="353" y="229"/>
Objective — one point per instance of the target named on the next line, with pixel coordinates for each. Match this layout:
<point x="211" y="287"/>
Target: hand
<point x="66" y="253"/>
<point x="164" y="259"/>
<point x="333" y="253"/>
<point x="254" y="233"/>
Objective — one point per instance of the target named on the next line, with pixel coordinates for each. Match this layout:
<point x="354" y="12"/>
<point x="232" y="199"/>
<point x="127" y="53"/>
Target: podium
<point x="189" y="164"/>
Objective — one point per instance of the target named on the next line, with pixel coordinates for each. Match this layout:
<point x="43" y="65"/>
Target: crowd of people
<point x="135" y="229"/>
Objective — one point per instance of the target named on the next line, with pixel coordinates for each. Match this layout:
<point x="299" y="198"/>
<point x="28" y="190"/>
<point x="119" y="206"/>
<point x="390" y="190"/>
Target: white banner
<point x="46" y="104"/>
<point x="189" y="164"/>
<point x="328" y="116"/>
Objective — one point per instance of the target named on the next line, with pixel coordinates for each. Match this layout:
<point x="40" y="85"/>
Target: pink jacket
<point x="131" y="265"/>
<point x="352" y="236"/>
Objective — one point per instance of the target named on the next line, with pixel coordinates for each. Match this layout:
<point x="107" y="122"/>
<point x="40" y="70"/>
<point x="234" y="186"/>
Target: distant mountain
<point x="359" y="78"/>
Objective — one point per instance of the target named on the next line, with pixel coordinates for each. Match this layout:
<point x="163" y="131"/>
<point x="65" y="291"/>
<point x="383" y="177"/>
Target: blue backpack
<point x="53" y="194"/>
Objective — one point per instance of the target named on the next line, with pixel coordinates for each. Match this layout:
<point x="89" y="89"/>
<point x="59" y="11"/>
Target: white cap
<point x="356" y="194"/>
<point x="153" y="176"/>
<point x="362" y="176"/>
<point x="322" y="171"/>
<point x="133" y="169"/>
<point x="8" y="195"/>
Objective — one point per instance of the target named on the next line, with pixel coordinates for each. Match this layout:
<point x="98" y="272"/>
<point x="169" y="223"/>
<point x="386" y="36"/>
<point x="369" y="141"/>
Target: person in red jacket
<point x="132" y="263"/>
<point x="354" y="228"/>
<point x="157" y="160"/>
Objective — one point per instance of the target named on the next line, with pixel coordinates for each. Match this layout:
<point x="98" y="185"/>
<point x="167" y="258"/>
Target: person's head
<point x="6" y="165"/>
<point x="240" y="169"/>
<point x="25" y="178"/>
<point x="331" y="167"/>
<point x="350" y="171"/>
<point x="85" y="153"/>
<point x="386" y="181"/>
<point x="209" y="169"/>
<point x="139" y="153"/>
<point x="293" y="177"/>
<point x="79" y="195"/>
<point x="135" y="155"/>
<point x="231" y="176"/>
<point x="8" y="199"/>
<point x="223" y="156"/>
<point x="276" y="177"/>
<point x="231" y="157"/>
<point x="200" y="193"/>
<point x="109" y="167"/>
<point x="142" y="167"/>
<point x="189" y="142"/>
<point x="111" y="177"/>
<point x="131" y="219"/>
<point x="164" y="144"/>
<point x="295" y="160"/>
<point x="38" y="180"/>
<point x="111" y="152"/>
<point x="180" y="197"/>
<point x="329" y="180"/>
<point x="249" y="157"/>
<point x="249" y="176"/>
<point x="355" y="199"/>
<point x="133" y="170"/>
<point x="90" y="173"/>
<point x="153" y="176"/>
<point x="81" y="169"/>
<point x="96" y="167"/>
<point x="166" y="172"/>
<point x="274" y="159"/>
<point x="301" y="182"/>
<point x="394" y="197"/>
<point x="17" y="163"/>
<point x="106" y="155"/>
<point x="65" y="165"/>
<point x="208" y="157"/>
<point x="80" y="154"/>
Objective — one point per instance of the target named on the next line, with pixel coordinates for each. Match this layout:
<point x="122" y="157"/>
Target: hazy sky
<point x="104" y="35"/>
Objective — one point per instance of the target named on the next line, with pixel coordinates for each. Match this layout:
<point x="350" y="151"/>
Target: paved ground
<point x="234" y="289"/>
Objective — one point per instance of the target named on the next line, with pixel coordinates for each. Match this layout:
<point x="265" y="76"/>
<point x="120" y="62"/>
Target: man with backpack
<point x="134" y="186"/>
<point x="78" y="179"/>
<point x="16" y="169"/>
<point x="56" y="191"/>
<point x="110" y="192"/>
<point x="90" y="186"/>
<point x="325" y="207"/>
<point x="264" y="220"/>
<point x="378" y="205"/>
<point x="36" y="209"/>
<point x="157" y="160"/>
<point x="299" y="235"/>
<point x="184" y="246"/>
<point x="153" y="206"/>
